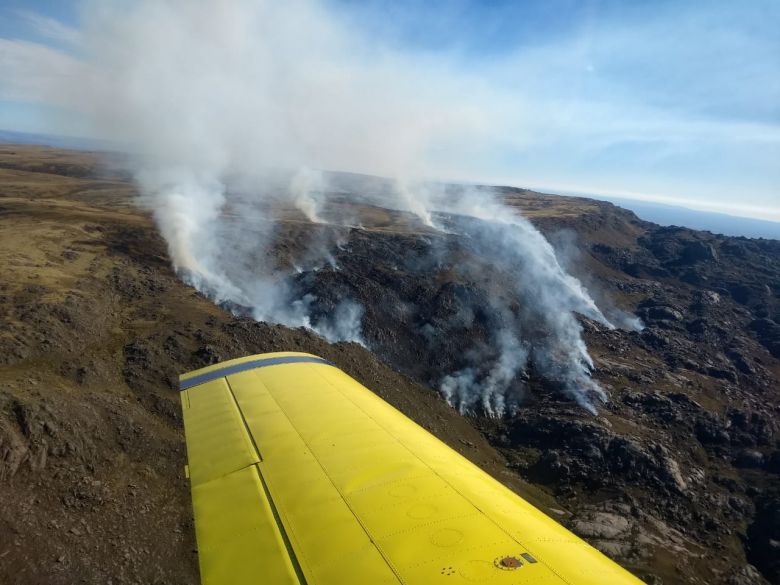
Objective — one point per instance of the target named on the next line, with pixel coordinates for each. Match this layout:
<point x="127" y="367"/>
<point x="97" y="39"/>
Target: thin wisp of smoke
<point x="548" y="298"/>
<point x="234" y="110"/>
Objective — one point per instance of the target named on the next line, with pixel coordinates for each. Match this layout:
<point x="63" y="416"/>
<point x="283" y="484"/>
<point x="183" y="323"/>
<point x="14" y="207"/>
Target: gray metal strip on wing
<point x="251" y="365"/>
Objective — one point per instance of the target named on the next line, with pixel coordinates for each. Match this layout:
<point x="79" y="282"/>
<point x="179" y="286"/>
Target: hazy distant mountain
<point x="71" y="142"/>
<point x="718" y="223"/>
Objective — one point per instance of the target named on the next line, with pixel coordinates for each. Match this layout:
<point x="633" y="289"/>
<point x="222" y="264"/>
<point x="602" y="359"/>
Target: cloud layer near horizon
<point x="679" y="102"/>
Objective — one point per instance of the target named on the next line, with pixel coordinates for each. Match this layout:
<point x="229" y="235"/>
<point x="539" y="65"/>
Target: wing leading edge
<point x="299" y="474"/>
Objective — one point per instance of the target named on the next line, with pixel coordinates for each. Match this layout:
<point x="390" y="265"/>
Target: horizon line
<point x="735" y="211"/>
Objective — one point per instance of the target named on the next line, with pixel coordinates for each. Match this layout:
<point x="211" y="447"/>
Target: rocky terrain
<point x="677" y="477"/>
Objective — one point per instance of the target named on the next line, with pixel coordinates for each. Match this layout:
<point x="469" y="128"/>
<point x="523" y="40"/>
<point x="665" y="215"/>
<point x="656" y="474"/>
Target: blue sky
<point x="671" y="101"/>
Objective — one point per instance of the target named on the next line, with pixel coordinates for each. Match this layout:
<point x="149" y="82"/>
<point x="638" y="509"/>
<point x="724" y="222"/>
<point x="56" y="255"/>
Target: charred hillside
<point x="672" y="470"/>
<point x="675" y="476"/>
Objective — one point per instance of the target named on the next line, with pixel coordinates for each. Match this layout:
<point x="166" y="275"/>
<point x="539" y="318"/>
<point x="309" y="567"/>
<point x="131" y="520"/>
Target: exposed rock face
<point x="745" y="575"/>
<point x="13" y="451"/>
<point x="768" y="333"/>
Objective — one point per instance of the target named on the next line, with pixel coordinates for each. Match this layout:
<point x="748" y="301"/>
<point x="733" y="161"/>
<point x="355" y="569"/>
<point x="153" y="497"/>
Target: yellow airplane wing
<point x="300" y="475"/>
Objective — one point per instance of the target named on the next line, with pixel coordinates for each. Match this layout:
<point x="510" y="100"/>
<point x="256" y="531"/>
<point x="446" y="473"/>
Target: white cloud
<point x="38" y="73"/>
<point x="50" y="28"/>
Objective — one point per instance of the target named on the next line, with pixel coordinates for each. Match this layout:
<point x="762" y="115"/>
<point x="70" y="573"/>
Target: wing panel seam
<point x="469" y="500"/>
<point x="274" y="511"/>
<point x="376" y="545"/>
<point x="280" y="526"/>
<point x="243" y="420"/>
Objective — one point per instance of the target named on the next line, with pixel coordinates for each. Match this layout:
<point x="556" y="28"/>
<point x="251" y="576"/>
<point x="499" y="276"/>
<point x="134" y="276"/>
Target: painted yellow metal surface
<point x="301" y="475"/>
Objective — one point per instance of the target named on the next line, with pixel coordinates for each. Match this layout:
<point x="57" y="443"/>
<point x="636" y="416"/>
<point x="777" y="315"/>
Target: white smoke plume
<point x="492" y="393"/>
<point x="232" y="110"/>
<point x="550" y="298"/>
<point x="209" y="96"/>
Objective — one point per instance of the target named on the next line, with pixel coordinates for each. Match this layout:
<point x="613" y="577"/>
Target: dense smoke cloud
<point x="234" y="109"/>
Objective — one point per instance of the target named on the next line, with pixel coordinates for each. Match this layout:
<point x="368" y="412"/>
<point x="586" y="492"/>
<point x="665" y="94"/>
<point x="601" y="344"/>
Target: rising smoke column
<point x="216" y="100"/>
<point x="232" y="109"/>
<point x="550" y="299"/>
